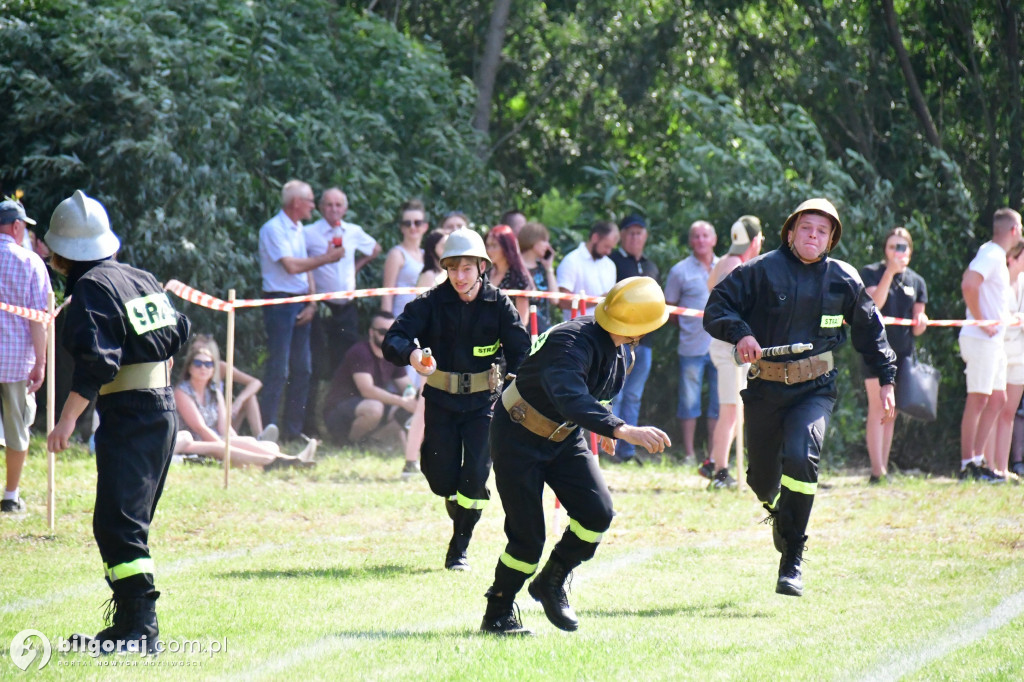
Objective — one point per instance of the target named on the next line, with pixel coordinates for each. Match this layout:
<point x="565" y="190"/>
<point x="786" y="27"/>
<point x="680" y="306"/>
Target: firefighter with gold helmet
<point x="563" y="387"/>
<point x="796" y="294"/>
<point x="471" y="329"/>
<point x="121" y="330"/>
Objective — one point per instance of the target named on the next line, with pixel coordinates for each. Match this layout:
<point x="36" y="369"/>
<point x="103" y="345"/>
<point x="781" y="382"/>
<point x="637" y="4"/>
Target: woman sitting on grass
<point x="200" y="404"/>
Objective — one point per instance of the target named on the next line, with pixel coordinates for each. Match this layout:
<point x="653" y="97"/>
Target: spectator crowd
<point x="325" y="375"/>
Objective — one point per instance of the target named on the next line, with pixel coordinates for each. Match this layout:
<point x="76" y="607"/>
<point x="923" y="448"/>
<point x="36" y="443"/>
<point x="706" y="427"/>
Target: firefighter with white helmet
<point x="563" y="387"/>
<point x="472" y="329"/>
<point x="121" y="330"/>
<point x="796" y="294"/>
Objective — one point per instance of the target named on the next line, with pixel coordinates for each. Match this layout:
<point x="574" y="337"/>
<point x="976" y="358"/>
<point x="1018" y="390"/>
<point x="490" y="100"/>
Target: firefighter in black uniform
<point x="121" y="330"/>
<point x="573" y="372"/>
<point x="470" y="327"/>
<point x="796" y="294"/>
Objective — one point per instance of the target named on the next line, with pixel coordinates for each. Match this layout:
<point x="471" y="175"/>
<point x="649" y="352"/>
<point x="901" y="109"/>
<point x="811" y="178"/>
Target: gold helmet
<point x="819" y="205"/>
<point x="464" y="242"/>
<point x="633" y="307"/>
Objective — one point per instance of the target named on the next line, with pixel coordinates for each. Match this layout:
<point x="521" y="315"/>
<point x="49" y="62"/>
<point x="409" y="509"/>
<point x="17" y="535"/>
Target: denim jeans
<point x="626" y="405"/>
<point x="692" y="372"/>
<point x="287" y="370"/>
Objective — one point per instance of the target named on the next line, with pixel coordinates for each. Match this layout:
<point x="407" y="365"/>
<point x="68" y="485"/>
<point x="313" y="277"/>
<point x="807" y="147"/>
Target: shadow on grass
<point x="346" y="573"/>
<point x="722" y="610"/>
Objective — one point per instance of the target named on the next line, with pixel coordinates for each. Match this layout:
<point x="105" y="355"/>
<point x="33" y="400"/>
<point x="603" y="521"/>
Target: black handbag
<point x="917" y="389"/>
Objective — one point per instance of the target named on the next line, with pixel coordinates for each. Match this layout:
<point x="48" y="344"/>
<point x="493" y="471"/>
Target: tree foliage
<point x="185" y="122"/>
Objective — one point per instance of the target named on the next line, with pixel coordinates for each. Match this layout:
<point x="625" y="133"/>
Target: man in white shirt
<point x="588" y="269"/>
<point x="285" y="268"/>
<point x="335" y="327"/>
<point x="986" y="290"/>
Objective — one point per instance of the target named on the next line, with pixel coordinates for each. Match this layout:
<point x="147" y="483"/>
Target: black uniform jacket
<point x="119" y="315"/>
<point x="781" y="300"/>
<point x="463" y="337"/>
<point x="573" y="367"/>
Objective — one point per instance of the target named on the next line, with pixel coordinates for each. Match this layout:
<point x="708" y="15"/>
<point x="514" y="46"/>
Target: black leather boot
<point x="773" y="520"/>
<point x="465" y="520"/>
<point x="549" y="589"/>
<point x="502" y="616"/>
<point x="451" y="506"/>
<point x="791" y="581"/>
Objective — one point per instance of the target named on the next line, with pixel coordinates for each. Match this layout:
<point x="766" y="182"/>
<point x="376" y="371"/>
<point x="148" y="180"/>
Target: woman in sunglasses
<point x="203" y="416"/>
<point x="404" y="262"/>
<point x="898" y="292"/>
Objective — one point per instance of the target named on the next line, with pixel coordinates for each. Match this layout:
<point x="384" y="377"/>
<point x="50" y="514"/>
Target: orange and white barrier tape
<point x="579" y="301"/>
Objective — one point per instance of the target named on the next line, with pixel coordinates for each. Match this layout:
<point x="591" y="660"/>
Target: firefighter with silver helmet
<point x="564" y="386"/>
<point x="471" y="329"/>
<point x="796" y="294"/>
<point x="122" y="331"/>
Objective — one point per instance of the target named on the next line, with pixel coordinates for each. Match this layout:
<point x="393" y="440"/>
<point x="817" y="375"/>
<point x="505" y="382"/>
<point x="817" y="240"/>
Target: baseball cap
<point x="631" y="220"/>
<point x="11" y="210"/>
<point x="743" y="232"/>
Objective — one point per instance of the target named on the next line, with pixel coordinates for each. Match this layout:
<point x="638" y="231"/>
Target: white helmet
<point x="464" y="242"/>
<point x="80" y="230"/>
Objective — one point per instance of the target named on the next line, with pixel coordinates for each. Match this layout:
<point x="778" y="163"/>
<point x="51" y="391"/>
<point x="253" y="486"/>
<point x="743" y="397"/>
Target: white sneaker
<point x="308" y="453"/>
<point x="269" y="434"/>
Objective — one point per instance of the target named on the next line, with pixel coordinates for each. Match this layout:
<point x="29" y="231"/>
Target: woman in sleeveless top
<point x="899" y="292"/>
<point x="404" y="262"/>
<point x="203" y="417"/>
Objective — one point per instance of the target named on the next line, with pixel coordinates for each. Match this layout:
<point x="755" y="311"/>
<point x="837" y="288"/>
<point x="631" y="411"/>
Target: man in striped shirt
<point x="25" y="283"/>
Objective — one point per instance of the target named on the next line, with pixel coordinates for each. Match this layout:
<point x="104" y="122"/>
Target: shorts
<point x="692" y="370"/>
<point x="1015" y="371"/>
<point x="338" y="418"/>
<point x="731" y="378"/>
<point x="19" y="413"/>
<point x="986" y="365"/>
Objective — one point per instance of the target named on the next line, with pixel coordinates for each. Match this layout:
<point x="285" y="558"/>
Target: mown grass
<point x="335" y="573"/>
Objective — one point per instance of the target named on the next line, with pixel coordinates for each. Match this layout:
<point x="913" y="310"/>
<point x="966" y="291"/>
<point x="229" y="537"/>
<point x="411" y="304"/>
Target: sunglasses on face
<point x="410" y="223"/>
<point x="379" y="330"/>
<point x="208" y="364"/>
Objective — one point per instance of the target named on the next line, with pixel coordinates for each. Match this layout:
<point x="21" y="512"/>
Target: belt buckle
<point x="568" y="426"/>
<point x="465" y="383"/>
<point x="785" y="374"/>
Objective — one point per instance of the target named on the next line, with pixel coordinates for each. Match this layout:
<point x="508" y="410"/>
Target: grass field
<point x="336" y="573"/>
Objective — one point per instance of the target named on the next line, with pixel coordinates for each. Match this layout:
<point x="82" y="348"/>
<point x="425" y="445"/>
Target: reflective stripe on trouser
<point x="454" y="456"/>
<point x="523" y="463"/>
<point x="133" y="452"/>
<point x="127" y="570"/>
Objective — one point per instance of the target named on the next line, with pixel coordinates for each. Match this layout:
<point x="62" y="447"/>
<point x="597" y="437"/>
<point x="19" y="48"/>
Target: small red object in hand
<point x="336" y="241"/>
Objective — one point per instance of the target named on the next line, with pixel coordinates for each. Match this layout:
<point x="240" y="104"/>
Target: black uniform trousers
<point x="133" y="453"/>
<point x="454" y="456"/>
<point x="523" y="463"/>
<point x="785" y="431"/>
